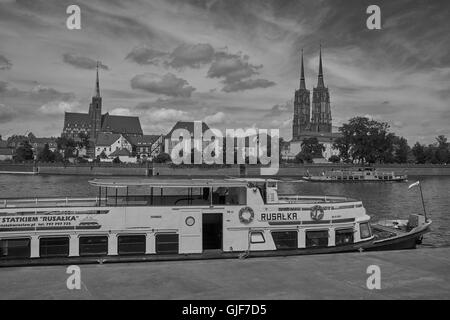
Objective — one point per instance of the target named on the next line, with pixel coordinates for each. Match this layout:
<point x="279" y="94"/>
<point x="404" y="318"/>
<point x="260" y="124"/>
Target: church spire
<point x="302" y="76"/>
<point x="97" y="84"/>
<point x="320" y="83"/>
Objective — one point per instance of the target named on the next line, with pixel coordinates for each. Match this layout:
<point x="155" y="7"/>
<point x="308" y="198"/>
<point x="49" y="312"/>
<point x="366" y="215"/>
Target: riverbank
<point x="285" y="170"/>
<point x="412" y="274"/>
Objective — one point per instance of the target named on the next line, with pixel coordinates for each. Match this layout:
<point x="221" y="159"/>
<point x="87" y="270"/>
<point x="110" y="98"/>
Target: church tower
<point x="95" y="110"/>
<point x="302" y="107"/>
<point x="321" y="111"/>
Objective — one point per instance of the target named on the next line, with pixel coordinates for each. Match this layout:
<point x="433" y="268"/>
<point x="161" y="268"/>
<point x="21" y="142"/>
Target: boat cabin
<point x="197" y="217"/>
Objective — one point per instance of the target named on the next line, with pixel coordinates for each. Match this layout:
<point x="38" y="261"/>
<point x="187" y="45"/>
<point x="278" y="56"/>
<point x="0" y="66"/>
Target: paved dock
<point x="413" y="274"/>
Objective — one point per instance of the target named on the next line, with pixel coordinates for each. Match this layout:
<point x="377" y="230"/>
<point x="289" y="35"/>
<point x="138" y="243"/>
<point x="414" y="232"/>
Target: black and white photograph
<point x="224" y="155"/>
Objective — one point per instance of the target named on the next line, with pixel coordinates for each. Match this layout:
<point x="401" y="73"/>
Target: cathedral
<point x="311" y="122"/>
<point x="94" y="122"/>
<point x="319" y="123"/>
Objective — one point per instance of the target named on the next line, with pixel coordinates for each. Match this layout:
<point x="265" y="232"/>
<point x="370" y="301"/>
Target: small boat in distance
<point x="366" y="174"/>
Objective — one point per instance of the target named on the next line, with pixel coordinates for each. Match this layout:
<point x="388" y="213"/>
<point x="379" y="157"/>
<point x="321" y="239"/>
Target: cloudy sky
<point x="232" y="63"/>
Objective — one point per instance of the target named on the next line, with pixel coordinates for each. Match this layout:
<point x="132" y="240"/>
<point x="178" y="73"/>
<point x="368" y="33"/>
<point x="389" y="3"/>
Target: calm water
<point x="382" y="200"/>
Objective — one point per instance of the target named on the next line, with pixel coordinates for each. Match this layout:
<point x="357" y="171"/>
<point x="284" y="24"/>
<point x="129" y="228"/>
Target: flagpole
<point x="423" y="203"/>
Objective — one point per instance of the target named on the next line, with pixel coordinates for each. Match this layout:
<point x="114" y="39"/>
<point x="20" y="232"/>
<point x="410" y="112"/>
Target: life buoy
<point x="317" y="213"/>
<point x="246" y="215"/>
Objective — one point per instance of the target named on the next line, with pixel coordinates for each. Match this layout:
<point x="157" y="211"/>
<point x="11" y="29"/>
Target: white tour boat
<point x="164" y="219"/>
<point x="367" y="174"/>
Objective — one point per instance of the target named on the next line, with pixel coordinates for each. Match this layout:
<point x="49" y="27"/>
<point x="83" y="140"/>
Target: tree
<point x="162" y="158"/>
<point x="68" y="145"/>
<point x="84" y="140"/>
<point x="116" y="160"/>
<point x="401" y="150"/>
<point x="343" y="144"/>
<point x="103" y="155"/>
<point x="46" y="155"/>
<point x="303" y="157"/>
<point x="24" y="152"/>
<point x="313" y="147"/>
<point x="334" y="158"/>
<point x="365" y="140"/>
<point x="418" y="151"/>
<point x="442" y="150"/>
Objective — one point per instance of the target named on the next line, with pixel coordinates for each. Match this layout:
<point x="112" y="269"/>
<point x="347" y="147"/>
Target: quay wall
<point x="285" y="170"/>
<point x="94" y="171"/>
<point x="301" y="170"/>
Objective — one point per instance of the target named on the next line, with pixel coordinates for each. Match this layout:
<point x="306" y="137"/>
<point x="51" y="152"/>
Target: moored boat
<point x="367" y="174"/>
<point x="163" y="219"/>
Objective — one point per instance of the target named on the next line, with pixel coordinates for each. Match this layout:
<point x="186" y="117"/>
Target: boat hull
<point x="206" y="255"/>
<point x="401" y="242"/>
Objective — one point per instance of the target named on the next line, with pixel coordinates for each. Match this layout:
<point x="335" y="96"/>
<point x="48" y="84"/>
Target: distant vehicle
<point x="367" y="174"/>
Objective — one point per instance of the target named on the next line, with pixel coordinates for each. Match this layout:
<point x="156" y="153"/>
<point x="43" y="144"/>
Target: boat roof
<point x="168" y="183"/>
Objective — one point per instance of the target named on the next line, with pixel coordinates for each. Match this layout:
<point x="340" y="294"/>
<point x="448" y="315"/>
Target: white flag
<point x="414" y="184"/>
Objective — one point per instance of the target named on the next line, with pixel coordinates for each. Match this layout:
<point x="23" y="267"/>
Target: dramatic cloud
<point x="121" y="112"/>
<point x="59" y="107"/>
<point x="235" y="70"/>
<point x="168" y="85"/>
<point x="281" y="109"/>
<point x="82" y="62"/>
<point x="188" y="55"/>
<point x="242" y="85"/>
<point x="145" y="55"/>
<point x="6" y="113"/>
<point x="232" y="67"/>
<point x="38" y="93"/>
<point x="217" y="118"/>
<point x="4" y="63"/>
<point x="164" y="115"/>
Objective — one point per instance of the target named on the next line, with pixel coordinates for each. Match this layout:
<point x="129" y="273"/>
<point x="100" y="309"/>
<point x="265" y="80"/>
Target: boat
<point x="164" y="219"/>
<point x="399" y="234"/>
<point x="367" y="174"/>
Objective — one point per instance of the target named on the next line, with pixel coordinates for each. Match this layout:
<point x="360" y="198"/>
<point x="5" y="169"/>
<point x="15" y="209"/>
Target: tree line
<point x="367" y="141"/>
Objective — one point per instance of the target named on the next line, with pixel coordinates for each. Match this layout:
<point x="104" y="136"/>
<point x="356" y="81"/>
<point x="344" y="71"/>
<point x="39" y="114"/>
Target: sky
<point x="231" y="63"/>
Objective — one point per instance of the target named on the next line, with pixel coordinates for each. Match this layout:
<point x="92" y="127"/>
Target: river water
<point x="381" y="200"/>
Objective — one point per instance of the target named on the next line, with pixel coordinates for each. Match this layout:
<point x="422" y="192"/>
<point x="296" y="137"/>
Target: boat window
<point x="257" y="237"/>
<point x="317" y="238"/>
<point x="230" y="196"/>
<point x="167" y="243"/>
<point x="365" y="231"/>
<point x="131" y="244"/>
<point x="285" y="239"/>
<point x="344" y="236"/>
<point x="93" y="245"/>
<point x="14" y="248"/>
<point x="140" y="196"/>
<point x="54" y="247"/>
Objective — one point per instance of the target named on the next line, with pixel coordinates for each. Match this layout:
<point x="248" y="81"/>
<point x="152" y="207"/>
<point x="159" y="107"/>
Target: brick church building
<point x="94" y="122"/>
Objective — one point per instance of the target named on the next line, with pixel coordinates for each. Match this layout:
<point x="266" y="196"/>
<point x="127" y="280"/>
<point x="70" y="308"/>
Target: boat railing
<point x="313" y="199"/>
<point x="113" y="201"/>
<point x="49" y="202"/>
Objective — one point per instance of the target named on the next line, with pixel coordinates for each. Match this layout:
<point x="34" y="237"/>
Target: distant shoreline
<point x="285" y="170"/>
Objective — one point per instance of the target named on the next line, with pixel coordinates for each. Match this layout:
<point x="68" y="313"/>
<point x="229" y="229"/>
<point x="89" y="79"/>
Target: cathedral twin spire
<point x="320" y="82"/>
<point x="97" y="84"/>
